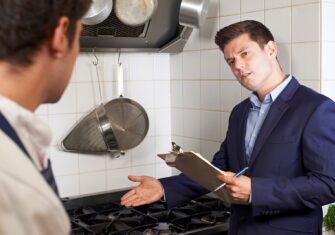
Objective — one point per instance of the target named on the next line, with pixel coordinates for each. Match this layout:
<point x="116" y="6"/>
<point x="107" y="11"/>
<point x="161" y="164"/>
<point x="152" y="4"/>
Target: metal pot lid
<point x="98" y="12"/>
<point x="134" y="12"/>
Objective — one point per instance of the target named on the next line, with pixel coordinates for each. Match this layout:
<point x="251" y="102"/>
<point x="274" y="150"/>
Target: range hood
<point x="162" y="33"/>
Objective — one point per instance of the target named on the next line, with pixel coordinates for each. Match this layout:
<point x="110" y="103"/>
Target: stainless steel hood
<point x="162" y="33"/>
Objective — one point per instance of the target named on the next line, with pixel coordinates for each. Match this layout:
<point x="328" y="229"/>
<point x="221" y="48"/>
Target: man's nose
<point x="239" y="64"/>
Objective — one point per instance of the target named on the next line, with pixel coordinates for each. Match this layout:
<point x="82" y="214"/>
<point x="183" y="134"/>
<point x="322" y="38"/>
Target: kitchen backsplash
<point x="188" y="96"/>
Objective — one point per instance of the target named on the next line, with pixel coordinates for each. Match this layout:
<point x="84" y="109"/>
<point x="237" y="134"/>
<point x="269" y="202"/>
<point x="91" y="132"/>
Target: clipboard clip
<point x="176" y="148"/>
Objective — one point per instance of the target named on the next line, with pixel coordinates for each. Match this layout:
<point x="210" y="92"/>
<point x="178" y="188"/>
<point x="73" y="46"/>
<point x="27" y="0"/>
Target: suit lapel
<point x="242" y="130"/>
<point x="277" y="109"/>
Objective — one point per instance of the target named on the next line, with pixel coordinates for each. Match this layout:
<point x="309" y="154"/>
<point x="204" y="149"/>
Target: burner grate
<point x="205" y="215"/>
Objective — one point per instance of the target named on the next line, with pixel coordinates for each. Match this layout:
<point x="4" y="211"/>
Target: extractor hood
<point x="162" y="33"/>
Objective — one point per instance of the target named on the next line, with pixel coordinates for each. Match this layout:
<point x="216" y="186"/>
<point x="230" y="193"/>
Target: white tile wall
<point x="210" y="95"/>
<point x="328" y="89"/>
<point x="277" y="3"/>
<point x="141" y="67"/>
<point x="303" y="2"/>
<point x="176" y="66"/>
<point x="68" y="185"/>
<point x="328" y="32"/>
<point x="231" y="94"/>
<point x="67" y="103"/>
<point x="118" y="178"/>
<point x="191" y="94"/>
<point x="191" y="144"/>
<point x="279" y="21"/>
<point x="162" y="94"/>
<point x="60" y="125"/>
<point x="123" y="161"/>
<point x="177" y="120"/>
<point x="255" y="5"/>
<point x="192" y="123"/>
<point x="90" y="163"/>
<point x="256" y="15"/>
<point x="306" y="67"/>
<point x="210" y="64"/>
<point x="214" y="9"/>
<point x="328" y="52"/>
<point x="148" y="170"/>
<point x="230" y="7"/>
<point x="177" y="94"/>
<point x="210" y="125"/>
<point x="191" y="65"/>
<point x="93" y="182"/>
<point x="305" y="23"/>
<point x="144" y="153"/>
<point x="163" y="121"/>
<point x="328" y="48"/>
<point x="209" y="148"/>
<point x="163" y="170"/>
<point x="284" y="56"/>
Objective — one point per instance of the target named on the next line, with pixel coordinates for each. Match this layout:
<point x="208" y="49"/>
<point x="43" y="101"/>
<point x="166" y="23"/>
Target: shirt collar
<point x="272" y="96"/>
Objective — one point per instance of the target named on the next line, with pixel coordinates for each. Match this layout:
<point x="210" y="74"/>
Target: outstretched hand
<point x="238" y="188"/>
<point x="148" y="191"/>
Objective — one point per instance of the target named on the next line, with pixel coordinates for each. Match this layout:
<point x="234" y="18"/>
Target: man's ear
<point x="59" y="42"/>
<point x="272" y="49"/>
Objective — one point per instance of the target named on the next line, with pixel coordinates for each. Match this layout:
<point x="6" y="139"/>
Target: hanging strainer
<point x="118" y="125"/>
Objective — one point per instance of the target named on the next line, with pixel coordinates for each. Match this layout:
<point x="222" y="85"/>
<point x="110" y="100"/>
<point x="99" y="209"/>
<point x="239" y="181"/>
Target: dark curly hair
<point x="257" y="31"/>
<point x="26" y="24"/>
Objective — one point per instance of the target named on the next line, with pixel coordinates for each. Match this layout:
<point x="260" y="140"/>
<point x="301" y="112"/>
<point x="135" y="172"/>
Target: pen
<point x="241" y="172"/>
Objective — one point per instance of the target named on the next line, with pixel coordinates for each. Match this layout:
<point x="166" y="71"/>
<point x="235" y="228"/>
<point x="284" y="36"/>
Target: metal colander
<point x="118" y="125"/>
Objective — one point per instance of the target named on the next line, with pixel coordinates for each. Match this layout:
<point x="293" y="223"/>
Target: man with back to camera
<point x="39" y="42"/>
<point x="284" y="132"/>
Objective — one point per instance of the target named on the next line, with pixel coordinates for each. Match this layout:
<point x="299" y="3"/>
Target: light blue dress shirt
<point x="258" y="113"/>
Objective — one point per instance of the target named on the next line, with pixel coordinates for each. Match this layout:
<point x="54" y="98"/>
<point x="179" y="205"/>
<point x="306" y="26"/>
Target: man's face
<point x="251" y="65"/>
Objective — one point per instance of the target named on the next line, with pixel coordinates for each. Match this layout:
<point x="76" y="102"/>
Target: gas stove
<point x="101" y="214"/>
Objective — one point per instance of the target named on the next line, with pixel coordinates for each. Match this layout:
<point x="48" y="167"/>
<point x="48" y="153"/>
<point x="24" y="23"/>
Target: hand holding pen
<point x="237" y="185"/>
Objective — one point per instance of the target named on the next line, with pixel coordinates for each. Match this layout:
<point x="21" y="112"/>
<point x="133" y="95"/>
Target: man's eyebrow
<point x="240" y="51"/>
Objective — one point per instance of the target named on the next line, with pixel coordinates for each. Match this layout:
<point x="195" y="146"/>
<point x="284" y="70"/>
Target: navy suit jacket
<point x="292" y="166"/>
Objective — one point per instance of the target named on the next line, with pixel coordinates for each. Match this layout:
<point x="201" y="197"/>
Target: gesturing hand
<point x="238" y="188"/>
<point x="148" y="191"/>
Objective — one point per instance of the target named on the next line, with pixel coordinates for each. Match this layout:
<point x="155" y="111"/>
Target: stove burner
<point x="160" y="229"/>
<point x="97" y="214"/>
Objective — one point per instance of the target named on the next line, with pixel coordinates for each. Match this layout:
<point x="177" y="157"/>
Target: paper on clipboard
<point x="199" y="169"/>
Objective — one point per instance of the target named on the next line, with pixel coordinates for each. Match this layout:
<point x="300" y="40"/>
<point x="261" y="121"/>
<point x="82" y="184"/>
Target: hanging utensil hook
<point x="119" y="55"/>
<point x="95" y="63"/>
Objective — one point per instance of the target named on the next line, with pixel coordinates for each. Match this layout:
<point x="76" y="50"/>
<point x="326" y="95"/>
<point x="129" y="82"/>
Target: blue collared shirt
<point x="258" y="113"/>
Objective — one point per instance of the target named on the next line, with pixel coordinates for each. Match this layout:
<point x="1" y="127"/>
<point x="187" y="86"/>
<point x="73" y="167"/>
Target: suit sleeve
<point x="316" y="187"/>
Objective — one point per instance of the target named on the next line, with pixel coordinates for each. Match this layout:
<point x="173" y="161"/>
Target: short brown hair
<point x="257" y="31"/>
<point x="26" y="24"/>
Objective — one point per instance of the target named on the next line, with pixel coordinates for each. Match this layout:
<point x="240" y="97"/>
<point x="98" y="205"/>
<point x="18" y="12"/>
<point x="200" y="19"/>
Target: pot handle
<point x="120" y="79"/>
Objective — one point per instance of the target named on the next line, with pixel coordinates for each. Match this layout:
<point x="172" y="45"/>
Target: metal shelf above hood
<point x="162" y="33"/>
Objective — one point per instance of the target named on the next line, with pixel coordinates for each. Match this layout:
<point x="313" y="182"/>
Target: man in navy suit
<point x="284" y="132"/>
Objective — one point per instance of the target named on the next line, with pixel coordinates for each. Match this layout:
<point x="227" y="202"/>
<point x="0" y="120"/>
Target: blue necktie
<point x="47" y="173"/>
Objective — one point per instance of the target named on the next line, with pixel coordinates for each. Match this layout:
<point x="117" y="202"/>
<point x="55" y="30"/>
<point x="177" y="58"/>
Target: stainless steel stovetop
<point x="101" y="214"/>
